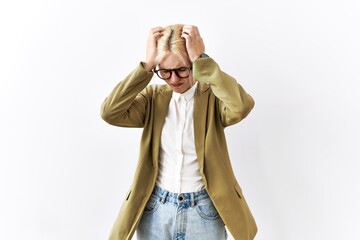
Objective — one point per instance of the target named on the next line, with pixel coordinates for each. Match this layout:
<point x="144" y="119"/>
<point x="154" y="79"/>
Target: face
<point x="179" y="85"/>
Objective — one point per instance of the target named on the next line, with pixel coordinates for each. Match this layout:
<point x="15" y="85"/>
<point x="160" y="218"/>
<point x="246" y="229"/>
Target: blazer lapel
<point x="200" y="113"/>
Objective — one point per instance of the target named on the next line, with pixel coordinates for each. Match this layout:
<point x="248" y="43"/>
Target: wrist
<point x="148" y="66"/>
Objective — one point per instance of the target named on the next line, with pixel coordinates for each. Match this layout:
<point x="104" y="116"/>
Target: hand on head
<point x="193" y="41"/>
<point x="151" y="47"/>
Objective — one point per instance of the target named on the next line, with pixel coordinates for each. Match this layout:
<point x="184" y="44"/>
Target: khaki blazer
<point x="219" y="102"/>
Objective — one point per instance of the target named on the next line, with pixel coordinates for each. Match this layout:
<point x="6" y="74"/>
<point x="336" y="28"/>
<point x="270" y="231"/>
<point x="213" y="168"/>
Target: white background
<point x="64" y="172"/>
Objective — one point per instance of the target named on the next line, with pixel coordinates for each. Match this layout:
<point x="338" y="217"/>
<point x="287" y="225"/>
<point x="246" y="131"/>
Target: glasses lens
<point x="183" y="72"/>
<point x="164" y="74"/>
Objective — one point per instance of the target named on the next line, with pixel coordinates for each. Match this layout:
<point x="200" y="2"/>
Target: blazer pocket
<point x="238" y="190"/>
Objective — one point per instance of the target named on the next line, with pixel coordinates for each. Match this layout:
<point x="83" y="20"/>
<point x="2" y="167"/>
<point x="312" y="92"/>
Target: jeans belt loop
<point x="163" y="199"/>
<point x="192" y="200"/>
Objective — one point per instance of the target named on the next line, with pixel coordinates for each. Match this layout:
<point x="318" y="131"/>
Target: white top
<point x="178" y="166"/>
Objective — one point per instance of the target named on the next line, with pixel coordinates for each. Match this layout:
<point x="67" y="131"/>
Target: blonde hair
<point x="172" y="42"/>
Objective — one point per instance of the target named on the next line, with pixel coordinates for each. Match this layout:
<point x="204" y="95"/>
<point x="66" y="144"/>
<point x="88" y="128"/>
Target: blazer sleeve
<point x="234" y="102"/>
<point x="126" y="104"/>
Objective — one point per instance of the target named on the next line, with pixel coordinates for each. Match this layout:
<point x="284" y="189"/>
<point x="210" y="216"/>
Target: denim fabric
<point x="185" y="216"/>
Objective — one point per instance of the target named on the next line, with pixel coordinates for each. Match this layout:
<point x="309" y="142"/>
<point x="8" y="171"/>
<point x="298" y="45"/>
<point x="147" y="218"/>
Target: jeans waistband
<point x="178" y="198"/>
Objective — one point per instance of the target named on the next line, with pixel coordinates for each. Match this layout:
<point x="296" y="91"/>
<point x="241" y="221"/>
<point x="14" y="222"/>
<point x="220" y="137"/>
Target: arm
<point x="234" y="102"/>
<point x="126" y="104"/>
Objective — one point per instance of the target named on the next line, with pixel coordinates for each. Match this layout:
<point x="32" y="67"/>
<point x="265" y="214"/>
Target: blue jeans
<point x="185" y="216"/>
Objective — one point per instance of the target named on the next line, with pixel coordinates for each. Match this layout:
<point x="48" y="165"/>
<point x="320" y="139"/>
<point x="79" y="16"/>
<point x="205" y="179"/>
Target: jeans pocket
<point x="152" y="205"/>
<point x="206" y="209"/>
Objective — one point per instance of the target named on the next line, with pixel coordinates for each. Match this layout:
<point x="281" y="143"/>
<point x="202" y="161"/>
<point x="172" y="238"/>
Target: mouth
<point x="176" y="85"/>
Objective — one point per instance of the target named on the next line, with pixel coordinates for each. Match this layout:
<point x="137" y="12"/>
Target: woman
<point x="184" y="186"/>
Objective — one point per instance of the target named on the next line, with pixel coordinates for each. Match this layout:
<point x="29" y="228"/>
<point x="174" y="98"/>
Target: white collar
<point x="188" y="95"/>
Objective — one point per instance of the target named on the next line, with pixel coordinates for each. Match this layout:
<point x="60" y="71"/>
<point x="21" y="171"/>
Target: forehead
<point x="172" y="61"/>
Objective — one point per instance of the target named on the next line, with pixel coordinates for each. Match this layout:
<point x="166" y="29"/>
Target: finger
<point x="157" y="35"/>
<point x="186" y="36"/>
<point x="190" y="29"/>
<point x="156" y="29"/>
<point x="186" y="29"/>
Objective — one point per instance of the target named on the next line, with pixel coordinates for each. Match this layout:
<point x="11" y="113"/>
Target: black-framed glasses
<point x="181" y="72"/>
